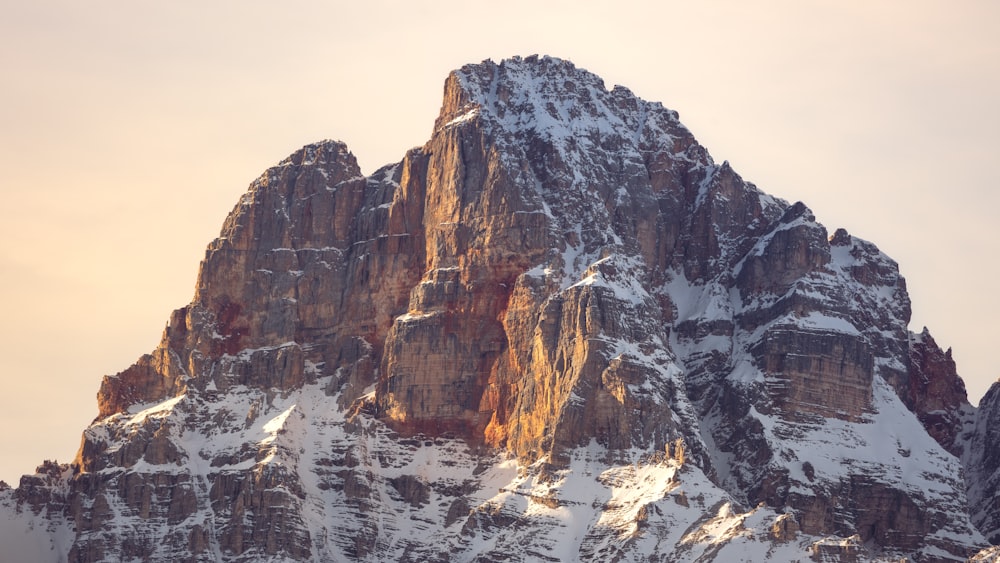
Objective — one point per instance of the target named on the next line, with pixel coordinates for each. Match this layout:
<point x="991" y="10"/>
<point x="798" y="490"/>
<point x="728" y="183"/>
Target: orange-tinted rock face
<point x="497" y="333"/>
<point x="154" y="377"/>
<point x="314" y="259"/>
<point x="559" y="267"/>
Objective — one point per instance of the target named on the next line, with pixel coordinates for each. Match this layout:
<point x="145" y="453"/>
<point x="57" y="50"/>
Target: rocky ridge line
<point x="560" y="297"/>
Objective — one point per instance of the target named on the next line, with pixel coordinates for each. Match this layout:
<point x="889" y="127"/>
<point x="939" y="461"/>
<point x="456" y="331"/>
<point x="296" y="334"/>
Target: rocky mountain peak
<point x="549" y="96"/>
<point x="559" y="325"/>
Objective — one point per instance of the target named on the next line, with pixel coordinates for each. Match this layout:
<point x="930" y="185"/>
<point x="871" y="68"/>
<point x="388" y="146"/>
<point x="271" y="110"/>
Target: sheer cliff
<point x="559" y="330"/>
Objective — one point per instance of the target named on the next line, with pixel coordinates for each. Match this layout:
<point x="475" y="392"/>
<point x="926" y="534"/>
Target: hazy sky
<point x="128" y="130"/>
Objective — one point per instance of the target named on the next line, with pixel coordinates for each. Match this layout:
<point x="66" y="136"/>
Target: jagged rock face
<point x="982" y="460"/>
<point x="986" y="556"/>
<point x="560" y="297"/>
<point x="497" y="338"/>
<point x="937" y="394"/>
<point x="310" y="269"/>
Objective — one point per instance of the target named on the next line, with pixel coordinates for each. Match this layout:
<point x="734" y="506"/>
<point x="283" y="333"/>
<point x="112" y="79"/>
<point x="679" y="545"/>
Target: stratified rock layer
<point x="560" y="297"/>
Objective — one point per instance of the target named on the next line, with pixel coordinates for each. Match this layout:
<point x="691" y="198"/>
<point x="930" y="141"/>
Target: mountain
<point x="557" y="331"/>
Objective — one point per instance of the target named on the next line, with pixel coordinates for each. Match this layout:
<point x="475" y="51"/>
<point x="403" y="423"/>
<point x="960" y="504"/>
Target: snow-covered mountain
<point x="557" y="331"/>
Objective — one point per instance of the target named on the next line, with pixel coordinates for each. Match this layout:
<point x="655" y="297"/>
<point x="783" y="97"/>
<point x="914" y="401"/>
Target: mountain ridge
<point x="560" y="293"/>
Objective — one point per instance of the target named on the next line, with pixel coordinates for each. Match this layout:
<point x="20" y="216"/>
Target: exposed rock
<point x="982" y="457"/>
<point x="816" y="373"/>
<point x="937" y="394"/>
<point x="989" y="555"/>
<point x="838" y="550"/>
<point x="785" y="528"/>
<point x="559" y="309"/>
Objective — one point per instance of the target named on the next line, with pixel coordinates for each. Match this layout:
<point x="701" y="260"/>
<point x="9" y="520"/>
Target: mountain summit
<point x="557" y="331"/>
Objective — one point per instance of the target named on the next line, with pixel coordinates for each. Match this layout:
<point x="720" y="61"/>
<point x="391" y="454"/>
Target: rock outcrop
<point x="937" y="394"/>
<point x="982" y="460"/>
<point x="558" y="325"/>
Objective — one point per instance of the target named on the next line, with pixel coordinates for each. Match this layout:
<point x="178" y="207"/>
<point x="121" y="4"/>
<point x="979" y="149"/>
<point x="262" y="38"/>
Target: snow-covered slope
<point x="557" y="331"/>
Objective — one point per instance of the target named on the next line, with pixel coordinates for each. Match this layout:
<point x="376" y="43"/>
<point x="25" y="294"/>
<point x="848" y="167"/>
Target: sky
<point x="129" y="129"/>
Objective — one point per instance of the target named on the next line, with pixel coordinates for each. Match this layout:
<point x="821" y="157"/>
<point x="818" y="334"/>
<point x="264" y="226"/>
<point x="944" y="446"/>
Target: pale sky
<point x="128" y="130"/>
